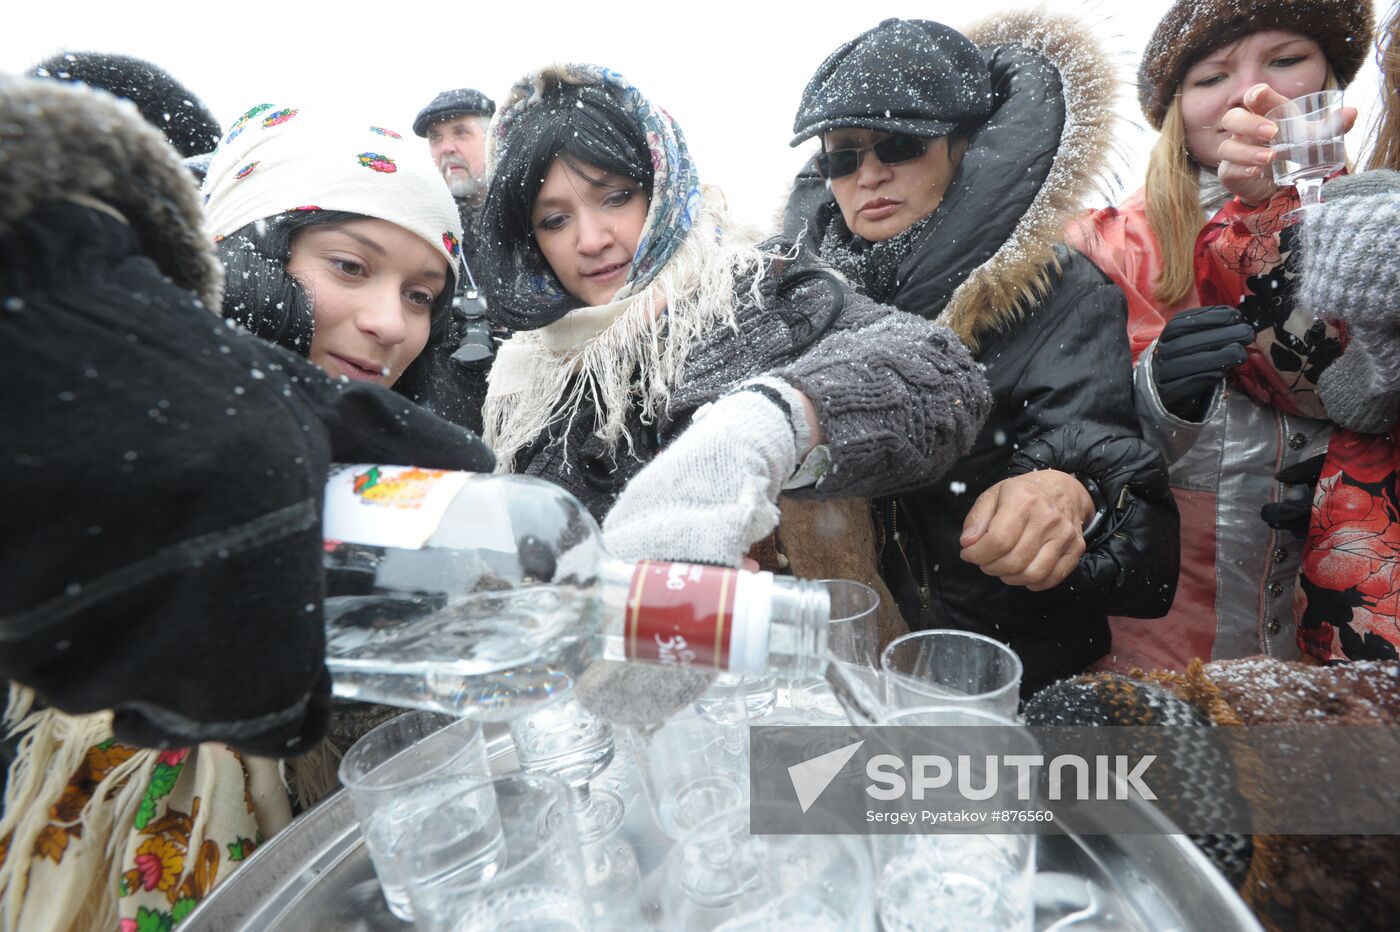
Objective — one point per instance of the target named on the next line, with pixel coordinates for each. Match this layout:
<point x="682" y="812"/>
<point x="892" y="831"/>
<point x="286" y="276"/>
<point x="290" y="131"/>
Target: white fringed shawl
<point x="629" y="353"/>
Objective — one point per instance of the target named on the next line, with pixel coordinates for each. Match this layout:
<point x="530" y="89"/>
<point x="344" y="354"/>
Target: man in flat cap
<point x="455" y="126"/>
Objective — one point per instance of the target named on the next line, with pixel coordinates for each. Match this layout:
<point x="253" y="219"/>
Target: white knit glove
<point x="713" y="492"/>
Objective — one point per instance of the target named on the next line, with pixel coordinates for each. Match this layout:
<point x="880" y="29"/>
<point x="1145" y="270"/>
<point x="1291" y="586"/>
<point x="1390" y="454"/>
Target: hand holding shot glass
<point x="1276" y="142"/>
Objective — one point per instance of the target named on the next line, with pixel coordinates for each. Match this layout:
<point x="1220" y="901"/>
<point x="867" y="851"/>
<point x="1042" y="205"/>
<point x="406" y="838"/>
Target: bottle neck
<point x="717" y="618"/>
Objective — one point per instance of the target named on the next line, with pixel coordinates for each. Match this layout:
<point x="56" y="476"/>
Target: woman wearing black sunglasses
<point x="947" y="169"/>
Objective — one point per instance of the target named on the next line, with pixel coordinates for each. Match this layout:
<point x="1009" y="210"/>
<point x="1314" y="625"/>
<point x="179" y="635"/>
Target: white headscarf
<point x="277" y="159"/>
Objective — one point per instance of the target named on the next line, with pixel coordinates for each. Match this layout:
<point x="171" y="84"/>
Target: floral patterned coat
<point x="1235" y="597"/>
<point x="1348" y="589"/>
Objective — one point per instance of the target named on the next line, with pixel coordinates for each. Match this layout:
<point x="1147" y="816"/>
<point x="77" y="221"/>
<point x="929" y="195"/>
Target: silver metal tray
<point x="316" y="876"/>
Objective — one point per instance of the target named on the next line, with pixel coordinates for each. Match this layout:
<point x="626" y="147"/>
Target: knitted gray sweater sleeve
<point x="898" y="397"/>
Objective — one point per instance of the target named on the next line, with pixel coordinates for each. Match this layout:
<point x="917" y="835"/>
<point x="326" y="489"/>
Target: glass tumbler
<point x="958" y="882"/>
<point x="1310" y="143"/>
<point x="697" y="762"/>
<point x="853" y="641"/>
<point x="521" y="872"/>
<point x="722" y="877"/>
<point x="401" y="769"/>
<point x="953" y="668"/>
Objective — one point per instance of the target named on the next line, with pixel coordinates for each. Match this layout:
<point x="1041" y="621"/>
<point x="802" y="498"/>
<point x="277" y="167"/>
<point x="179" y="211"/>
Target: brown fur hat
<point x="1302" y="883"/>
<point x="1193" y="29"/>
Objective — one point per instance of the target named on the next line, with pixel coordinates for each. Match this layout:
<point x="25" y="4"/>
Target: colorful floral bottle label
<point x="688" y="615"/>
<point x="388" y="506"/>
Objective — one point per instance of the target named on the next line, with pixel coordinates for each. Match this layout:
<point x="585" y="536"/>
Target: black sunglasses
<point x="893" y="149"/>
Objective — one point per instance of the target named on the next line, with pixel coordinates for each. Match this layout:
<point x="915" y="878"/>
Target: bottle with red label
<point x="484" y="596"/>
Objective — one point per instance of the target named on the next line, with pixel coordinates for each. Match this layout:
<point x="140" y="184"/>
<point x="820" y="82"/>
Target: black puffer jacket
<point x="1058" y="364"/>
<point x="899" y="398"/>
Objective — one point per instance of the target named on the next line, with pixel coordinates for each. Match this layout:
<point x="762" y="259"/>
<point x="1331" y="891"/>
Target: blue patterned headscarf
<point x="675" y="196"/>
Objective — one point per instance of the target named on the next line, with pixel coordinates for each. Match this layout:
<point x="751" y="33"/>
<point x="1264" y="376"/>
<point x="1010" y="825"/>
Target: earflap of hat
<point x="63" y="141"/>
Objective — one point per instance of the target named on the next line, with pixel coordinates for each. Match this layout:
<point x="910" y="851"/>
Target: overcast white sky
<point x="731" y="73"/>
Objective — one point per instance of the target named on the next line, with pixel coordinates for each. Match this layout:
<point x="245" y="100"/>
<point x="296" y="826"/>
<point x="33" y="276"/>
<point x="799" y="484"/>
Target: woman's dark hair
<point x="588" y="127"/>
<point x="261" y="296"/>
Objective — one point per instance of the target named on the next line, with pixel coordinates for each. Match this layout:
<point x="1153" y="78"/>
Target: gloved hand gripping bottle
<point x="486" y="596"/>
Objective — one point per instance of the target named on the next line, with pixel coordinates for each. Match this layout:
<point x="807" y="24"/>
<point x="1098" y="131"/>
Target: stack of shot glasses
<point x="584" y="829"/>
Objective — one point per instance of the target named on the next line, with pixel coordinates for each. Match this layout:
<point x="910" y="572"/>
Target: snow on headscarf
<point x="675" y="194"/>
<point x="627" y="353"/>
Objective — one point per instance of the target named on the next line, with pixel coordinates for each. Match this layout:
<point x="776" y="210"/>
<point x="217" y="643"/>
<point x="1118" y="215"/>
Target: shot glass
<point x="852" y="640"/>
<point x="958" y="882"/>
<point x="1310" y="143"/>
<point x="951" y="668"/>
<point x="564" y="740"/>
<point x="722" y="877"/>
<point x="406" y="766"/>
<point x="697" y="763"/>
<point x="521" y="869"/>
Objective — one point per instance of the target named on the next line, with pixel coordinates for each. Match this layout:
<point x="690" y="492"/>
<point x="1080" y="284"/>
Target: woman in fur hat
<point x="1208" y="228"/>
<point x="163" y="548"/>
<point x="949" y="164"/>
<point x="662" y="357"/>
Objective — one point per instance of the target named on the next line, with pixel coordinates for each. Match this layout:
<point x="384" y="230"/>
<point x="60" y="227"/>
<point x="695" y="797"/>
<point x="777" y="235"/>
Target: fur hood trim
<point x="1019" y="275"/>
<point x="118" y="160"/>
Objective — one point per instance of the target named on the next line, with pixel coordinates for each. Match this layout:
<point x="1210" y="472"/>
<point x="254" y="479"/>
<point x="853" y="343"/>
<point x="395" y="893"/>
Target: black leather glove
<point x="1193" y="353"/>
<point x="1293" y="511"/>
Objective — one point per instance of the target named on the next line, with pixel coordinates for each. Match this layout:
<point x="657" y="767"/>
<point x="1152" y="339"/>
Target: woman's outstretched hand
<point x="1028" y="530"/>
<point x="1245" y="157"/>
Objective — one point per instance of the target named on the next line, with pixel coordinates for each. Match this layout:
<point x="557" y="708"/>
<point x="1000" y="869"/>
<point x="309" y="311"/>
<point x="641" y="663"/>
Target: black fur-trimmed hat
<point x="165" y="103"/>
<point x="464" y="101"/>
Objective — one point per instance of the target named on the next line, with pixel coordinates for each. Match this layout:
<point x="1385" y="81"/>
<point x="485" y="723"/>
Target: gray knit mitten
<point x="1348" y="270"/>
<point x="712" y="493"/>
<point x="1348" y="392"/>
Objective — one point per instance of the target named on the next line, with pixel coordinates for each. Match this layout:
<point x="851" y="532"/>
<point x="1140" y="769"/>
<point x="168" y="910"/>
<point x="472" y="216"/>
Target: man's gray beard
<point x="464" y="186"/>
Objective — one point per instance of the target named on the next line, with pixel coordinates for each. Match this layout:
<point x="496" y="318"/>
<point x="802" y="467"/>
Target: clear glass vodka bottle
<point x="484" y="596"/>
